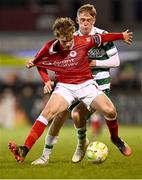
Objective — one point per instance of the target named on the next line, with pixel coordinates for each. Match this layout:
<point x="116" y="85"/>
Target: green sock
<point x="81" y="134"/>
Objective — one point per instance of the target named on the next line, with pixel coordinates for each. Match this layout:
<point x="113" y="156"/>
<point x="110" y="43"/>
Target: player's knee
<point x="50" y="113"/>
<point x="110" y="112"/>
<point x="75" y="115"/>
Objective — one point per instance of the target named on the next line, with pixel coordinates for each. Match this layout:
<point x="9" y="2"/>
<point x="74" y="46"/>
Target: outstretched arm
<point x="126" y="36"/>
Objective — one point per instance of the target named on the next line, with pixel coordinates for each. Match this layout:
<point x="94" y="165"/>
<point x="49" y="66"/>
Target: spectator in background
<point x="7" y="109"/>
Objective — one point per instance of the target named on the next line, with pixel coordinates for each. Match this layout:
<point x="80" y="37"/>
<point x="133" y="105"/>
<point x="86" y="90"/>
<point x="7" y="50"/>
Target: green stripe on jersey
<point x="100" y="53"/>
<point x="103" y="81"/>
<point x="104" y="52"/>
<point x="98" y="70"/>
<point x="107" y="92"/>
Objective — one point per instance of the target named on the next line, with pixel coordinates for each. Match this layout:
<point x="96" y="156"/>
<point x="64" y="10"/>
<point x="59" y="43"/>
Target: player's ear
<point x="76" y="19"/>
<point x="94" y="20"/>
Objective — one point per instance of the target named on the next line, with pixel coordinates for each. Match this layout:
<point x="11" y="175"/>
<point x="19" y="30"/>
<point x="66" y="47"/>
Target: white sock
<point x="49" y="142"/>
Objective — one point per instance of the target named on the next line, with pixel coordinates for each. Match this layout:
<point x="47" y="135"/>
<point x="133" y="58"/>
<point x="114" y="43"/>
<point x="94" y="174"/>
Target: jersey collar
<point x="51" y="49"/>
<point x="93" y="31"/>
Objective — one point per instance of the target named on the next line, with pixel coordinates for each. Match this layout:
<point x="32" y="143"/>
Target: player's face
<point x="85" y="22"/>
<point x="66" y="41"/>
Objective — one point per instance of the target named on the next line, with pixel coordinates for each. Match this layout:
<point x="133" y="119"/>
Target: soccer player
<point x="106" y="56"/>
<point x="66" y="55"/>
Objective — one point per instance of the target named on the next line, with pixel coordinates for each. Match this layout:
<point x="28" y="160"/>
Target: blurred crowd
<point x="21" y="99"/>
<point x="129" y="77"/>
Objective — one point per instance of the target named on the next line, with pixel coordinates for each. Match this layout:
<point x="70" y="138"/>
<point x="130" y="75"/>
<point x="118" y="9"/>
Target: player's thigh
<point x="79" y="115"/>
<point x="58" y="122"/>
<point x="81" y="109"/>
<point x="55" y="105"/>
<point x="103" y="104"/>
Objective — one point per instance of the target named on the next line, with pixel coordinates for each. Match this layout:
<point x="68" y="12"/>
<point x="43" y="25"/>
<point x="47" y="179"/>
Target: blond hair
<point x="87" y="8"/>
<point x="63" y="27"/>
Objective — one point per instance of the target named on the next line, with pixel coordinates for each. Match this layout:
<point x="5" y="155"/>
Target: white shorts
<point x="85" y="92"/>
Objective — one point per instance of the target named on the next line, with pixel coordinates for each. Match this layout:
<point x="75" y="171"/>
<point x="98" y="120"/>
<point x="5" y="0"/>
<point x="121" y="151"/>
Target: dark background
<point x="26" y="24"/>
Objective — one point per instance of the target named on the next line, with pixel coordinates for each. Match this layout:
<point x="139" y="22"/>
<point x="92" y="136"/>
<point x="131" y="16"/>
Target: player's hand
<point x="128" y="36"/>
<point x="30" y="63"/>
<point x="48" y="87"/>
<point x="92" y="63"/>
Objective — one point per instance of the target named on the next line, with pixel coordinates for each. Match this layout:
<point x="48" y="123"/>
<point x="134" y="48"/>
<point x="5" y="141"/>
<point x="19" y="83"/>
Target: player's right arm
<point x="30" y="63"/>
<point x="42" y="71"/>
<point x="45" y="78"/>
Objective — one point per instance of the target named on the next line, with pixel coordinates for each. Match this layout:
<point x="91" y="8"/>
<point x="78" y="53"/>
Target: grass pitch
<point x="116" y="166"/>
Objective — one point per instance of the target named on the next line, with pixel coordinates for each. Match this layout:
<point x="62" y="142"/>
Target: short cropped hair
<point x="87" y="8"/>
<point x="63" y="26"/>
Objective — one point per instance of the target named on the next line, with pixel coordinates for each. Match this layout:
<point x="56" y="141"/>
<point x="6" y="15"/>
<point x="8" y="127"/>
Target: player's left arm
<point x="126" y="36"/>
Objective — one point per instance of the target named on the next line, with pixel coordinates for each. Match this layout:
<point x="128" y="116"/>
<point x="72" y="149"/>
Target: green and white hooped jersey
<point x="104" y="52"/>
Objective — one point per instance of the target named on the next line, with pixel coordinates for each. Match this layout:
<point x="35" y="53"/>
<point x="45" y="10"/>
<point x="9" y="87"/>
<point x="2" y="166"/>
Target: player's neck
<point x="61" y="48"/>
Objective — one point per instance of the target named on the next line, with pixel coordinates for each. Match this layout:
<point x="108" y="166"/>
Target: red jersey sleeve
<point x="100" y="38"/>
<point x="41" y="51"/>
<point x="43" y="73"/>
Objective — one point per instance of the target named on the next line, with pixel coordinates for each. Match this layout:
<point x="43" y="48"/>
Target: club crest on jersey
<point x="73" y="53"/>
<point x="96" y="53"/>
<point x="97" y="39"/>
<point x="88" y="39"/>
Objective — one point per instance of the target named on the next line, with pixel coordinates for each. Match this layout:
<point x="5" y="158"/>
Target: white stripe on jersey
<point x="101" y="75"/>
<point x="104" y="86"/>
<point x="112" y="52"/>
